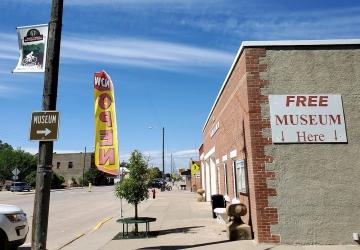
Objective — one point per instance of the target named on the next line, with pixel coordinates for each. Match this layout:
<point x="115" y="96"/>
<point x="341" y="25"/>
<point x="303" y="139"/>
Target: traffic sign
<point x="44" y="126"/>
<point x="15" y="173"/>
<point x="194" y="168"/>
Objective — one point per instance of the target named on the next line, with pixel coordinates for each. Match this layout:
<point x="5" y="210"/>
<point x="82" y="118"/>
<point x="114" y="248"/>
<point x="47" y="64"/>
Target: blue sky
<point x="167" y="59"/>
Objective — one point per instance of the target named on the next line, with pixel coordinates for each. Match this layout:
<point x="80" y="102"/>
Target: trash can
<point x="217" y="200"/>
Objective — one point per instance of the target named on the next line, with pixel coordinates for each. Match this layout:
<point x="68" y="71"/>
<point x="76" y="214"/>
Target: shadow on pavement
<point x="182" y="246"/>
<point x="154" y="234"/>
<point x="24" y="248"/>
<point x="176" y="230"/>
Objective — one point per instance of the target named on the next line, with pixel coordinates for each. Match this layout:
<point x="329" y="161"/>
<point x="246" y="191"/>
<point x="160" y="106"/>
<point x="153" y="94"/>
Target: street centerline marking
<point x="101" y="223"/>
<point x="71" y="241"/>
<point x="98" y="225"/>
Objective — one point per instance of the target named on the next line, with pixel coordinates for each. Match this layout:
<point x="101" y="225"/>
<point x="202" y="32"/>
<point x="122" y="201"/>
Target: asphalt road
<point x="73" y="212"/>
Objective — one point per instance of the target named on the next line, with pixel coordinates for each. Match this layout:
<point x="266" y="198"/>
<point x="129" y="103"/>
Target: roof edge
<point x="274" y="44"/>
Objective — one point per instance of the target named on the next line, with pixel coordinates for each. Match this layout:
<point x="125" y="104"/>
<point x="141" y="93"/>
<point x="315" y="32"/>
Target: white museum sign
<point x="307" y="119"/>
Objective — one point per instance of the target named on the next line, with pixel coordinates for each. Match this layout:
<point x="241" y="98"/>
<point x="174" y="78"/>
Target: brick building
<point x="298" y="178"/>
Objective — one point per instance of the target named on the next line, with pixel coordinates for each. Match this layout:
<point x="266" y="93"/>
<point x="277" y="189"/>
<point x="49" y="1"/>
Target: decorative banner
<point x="106" y="140"/>
<point x="32" y="46"/>
<point x="194" y="168"/>
<point x="307" y="119"/>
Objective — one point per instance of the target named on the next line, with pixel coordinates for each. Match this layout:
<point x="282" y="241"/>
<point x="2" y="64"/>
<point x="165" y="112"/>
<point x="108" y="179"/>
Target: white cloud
<point x="7" y="56"/>
<point x="314" y="24"/>
<point x="57" y="151"/>
<point x="128" y="51"/>
<point x="173" y="3"/>
<point x="4" y="72"/>
<point x="190" y="153"/>
<point x="8" y="92"/>
<point x="180" y="158"/>
<point x="143" y="53"/>
<point x="8" y="46"/>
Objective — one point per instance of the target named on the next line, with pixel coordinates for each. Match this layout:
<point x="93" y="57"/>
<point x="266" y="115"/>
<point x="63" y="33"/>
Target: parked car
<point x="7" y="185"/>
<point x="19" y="186"/>
<point x="13" y="227"/>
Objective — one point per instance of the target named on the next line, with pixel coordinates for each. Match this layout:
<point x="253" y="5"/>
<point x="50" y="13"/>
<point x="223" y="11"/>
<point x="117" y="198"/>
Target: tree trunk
<point x="136" y="216"/>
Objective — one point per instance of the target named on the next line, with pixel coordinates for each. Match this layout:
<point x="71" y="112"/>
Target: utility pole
<point x="83" y="173"/>
<point x="44" y="167"/>
<point x="171" y="163"/>
<point x="163" y="153"/>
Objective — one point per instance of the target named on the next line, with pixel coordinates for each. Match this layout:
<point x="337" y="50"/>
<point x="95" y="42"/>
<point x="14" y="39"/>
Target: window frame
<point x="240" y="179"/>
<point x="226" y="182"/>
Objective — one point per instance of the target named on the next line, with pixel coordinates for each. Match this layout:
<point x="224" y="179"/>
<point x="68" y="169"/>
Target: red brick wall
<point x="263" y="216"/>
<point x="230" y="111"/>
<point x="239" y="112"/>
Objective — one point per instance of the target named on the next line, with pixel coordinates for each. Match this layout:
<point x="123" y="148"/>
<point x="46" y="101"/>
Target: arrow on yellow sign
<point x="194" y="168"/>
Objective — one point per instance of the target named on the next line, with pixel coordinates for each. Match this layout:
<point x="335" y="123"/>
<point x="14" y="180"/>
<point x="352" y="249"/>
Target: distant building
<point x="186" y="178"/>
<point x="72" y="165"/>
<point x="283" y="138"/>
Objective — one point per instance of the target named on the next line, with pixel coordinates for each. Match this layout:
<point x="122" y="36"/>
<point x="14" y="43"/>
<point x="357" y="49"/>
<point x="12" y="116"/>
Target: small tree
<point x="57" y="181"/>
<point x="134" y="189"/>
<point x="31" y="178"/>
<point x="95" y="177"/>
<point x="176" y="177"/>
<point x="154" y="173"/>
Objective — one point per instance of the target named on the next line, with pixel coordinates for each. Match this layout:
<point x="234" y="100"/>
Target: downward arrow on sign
<point x="46" y="131"/>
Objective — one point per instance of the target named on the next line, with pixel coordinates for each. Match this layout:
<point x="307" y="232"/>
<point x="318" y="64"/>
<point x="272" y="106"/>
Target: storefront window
<point x="225" y="180"/>
<point x="240" y="177"/>
<point x="218" y="179"/>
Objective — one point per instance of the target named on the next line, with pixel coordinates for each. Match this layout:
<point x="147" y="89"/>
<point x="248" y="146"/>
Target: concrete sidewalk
<point x="184" y="223"/>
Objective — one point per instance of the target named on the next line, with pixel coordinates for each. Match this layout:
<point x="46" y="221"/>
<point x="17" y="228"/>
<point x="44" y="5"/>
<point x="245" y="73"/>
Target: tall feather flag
<point x="106" y="140"/>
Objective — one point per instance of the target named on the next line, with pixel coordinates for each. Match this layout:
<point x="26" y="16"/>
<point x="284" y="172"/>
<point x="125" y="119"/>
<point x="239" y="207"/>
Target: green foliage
<point x="57" y="181"/>
<point x="154" y="173"/>
<point x="31" y="178"/>
<point x="176" y="177"/>
<point x="134" y="188"/>
<point x="74" y="182"/>
<point x="80" y="181"/>
<point x="124" y="165"/>
<point x="95" y="177"/>
<point x="10" y="158"/>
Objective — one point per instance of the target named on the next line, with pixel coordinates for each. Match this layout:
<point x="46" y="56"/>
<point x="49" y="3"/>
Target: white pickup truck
<point x="13" y="227"/>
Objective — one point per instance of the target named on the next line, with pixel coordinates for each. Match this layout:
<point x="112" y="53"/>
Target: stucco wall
<point x="78" y="165"/>
<point x="318" y="185"/>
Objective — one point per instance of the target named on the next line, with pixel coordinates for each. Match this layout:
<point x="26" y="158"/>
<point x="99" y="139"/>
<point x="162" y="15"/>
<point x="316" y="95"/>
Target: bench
<point x="139" y="220"/>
